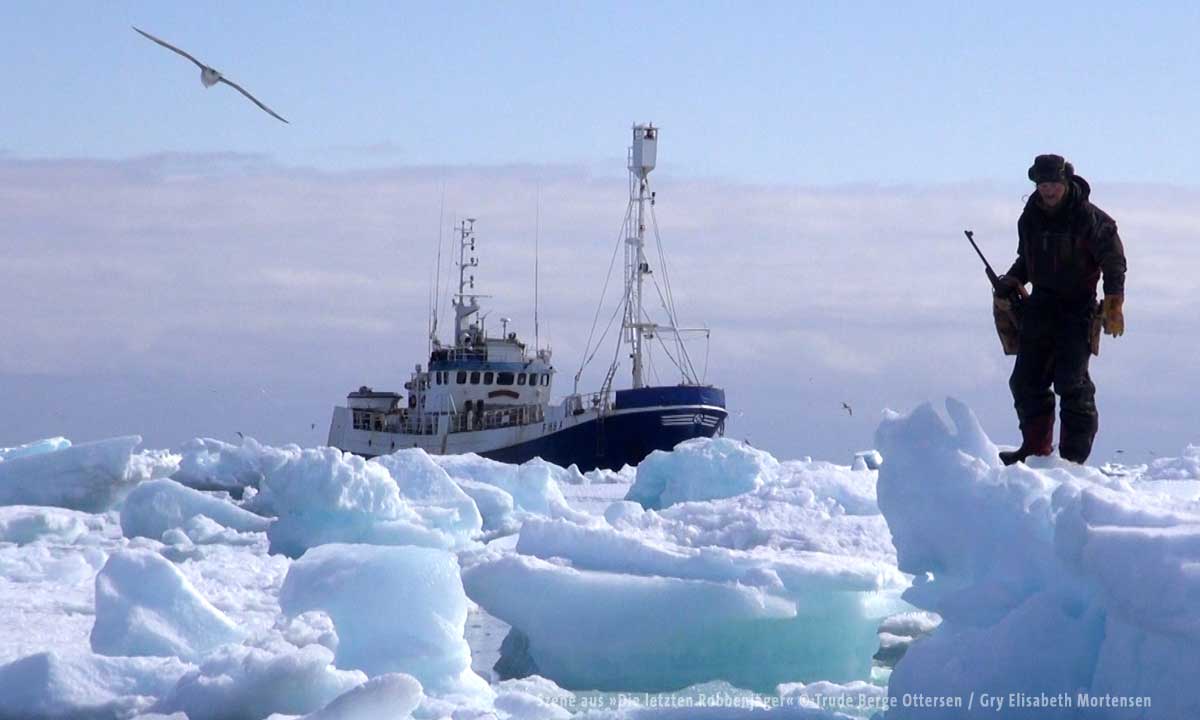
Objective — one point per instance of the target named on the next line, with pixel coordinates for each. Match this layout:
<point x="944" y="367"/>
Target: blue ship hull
<point x="645" y="420"/>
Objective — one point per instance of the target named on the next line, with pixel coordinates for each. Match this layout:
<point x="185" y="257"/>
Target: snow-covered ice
<point x="777" y="582"/>
<point x="68" y="685"/>
<point x="207" y="464"/>
<point x="712" y="582"/>
<point x="530" y="489"/>
<point x="23" y="525"/>
<point x="433" y="495"/>
<point x="242" y="682"/>
<point x="324" y="496"/>
<point x="1050" y="577"/>
<point x="395" y="609"/>
<point x="391" y="696"/>
<point x="701" y="469"/>
<point x="89" y="476"/>
<point x="145" y="606"/>
<point x="34" y="448"/>
<point x="157" y="506"/>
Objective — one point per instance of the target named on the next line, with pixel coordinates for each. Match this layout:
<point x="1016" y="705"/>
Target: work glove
<point x="1006" y="289"/>
<point x="1007" y="286"/>
<point x="1113" y="316"/>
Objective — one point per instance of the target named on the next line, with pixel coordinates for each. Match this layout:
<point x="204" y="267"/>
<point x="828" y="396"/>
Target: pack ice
<point x="715" y="581"/>
<point x="1051" y="578"/>
<point x="755" y="572"/>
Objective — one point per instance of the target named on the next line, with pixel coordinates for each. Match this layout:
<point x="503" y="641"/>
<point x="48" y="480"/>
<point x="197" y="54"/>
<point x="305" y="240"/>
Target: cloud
<point x="233" y="269"/>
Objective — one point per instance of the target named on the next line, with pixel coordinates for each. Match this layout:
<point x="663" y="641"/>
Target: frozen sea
<point x="920" y="579"/>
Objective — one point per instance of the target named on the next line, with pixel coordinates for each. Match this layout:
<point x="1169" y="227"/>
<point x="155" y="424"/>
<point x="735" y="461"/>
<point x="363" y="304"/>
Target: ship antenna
<point x="465" y="303"/>
<point x="537" y="227"/>
<point x="434" y="309"/>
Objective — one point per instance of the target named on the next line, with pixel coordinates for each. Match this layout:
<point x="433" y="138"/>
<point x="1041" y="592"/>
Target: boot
<point x="1080" y="423"/>
<point x="1037" y="438"/>
<point x="1076" y="444"/>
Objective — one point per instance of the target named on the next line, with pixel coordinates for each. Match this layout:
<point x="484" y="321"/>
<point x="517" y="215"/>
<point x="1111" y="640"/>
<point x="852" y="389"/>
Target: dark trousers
<point x="1055" y="350"/>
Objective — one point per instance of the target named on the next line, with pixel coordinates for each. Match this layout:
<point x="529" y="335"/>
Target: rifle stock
<point x="1007" y="307"/>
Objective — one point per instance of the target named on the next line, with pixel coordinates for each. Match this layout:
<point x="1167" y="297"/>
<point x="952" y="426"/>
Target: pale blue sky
<point x="817" y="165"/>
<point x="795" y="92"/>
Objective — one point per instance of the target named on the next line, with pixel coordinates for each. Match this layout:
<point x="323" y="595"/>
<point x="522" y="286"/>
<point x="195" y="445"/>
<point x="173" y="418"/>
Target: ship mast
<point x="635" y="328"/>
<point x="465" y="304"/>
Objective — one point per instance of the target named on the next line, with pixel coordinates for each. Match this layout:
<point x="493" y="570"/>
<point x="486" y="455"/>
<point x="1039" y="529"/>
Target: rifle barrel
<point x="971" y="237"/>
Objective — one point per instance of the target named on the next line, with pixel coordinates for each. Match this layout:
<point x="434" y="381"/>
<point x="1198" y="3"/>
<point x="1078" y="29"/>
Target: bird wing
<point x="253" y="99"/>
<point x="169" y="46"/>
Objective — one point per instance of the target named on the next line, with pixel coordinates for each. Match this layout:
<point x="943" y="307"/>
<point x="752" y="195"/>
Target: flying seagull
<point x="848" y="409"/>
<point x="210" y="76"/>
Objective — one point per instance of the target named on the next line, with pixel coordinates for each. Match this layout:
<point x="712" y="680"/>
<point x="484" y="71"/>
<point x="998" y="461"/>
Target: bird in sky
<point x="848" y="409"/>
<point x="210" y="76"/>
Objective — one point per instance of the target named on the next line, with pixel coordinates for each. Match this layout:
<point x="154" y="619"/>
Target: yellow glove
<point x="1113" y="316"/>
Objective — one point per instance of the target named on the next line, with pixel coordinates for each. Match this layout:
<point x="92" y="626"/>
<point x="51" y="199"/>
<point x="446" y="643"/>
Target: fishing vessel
<point x="491" y="394"/>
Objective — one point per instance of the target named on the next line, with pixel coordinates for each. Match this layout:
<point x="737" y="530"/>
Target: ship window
<point x="461" y="378"/>
<point x="475" y="377"/>
<point x="546" y="379"/>
<point x="488" y="377"/>
<point x="504" y="378"/>
<point x="520" y="378"/>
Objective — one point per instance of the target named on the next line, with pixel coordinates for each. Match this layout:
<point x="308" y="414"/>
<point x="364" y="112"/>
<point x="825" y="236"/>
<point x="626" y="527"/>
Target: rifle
<point x="1008" y="307"/>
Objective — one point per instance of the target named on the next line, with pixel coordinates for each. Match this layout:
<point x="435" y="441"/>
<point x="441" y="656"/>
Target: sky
<point x="178" y="263"/>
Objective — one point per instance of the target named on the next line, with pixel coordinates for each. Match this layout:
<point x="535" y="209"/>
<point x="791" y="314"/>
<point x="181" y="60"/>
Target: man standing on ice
<point x="1065" y="242"/>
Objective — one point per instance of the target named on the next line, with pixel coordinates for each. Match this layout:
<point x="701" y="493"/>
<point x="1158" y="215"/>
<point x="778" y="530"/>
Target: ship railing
<point x="600" y="402"/>
<point x="410" y="423"/>
<point x="413" y="424"/>
<point x="489" y="419"/>
<point x="452" y="354"/>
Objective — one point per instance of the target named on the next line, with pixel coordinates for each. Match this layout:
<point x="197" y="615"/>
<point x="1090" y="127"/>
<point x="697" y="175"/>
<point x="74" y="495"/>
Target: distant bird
<point x="313" y="426"/>
<point x="239" y="434"/>
<point x="210" y="76"/>
<point x="848" y="409"/>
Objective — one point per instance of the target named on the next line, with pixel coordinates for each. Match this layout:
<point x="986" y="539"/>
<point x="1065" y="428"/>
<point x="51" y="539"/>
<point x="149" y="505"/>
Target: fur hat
<point x="1050" y="168"/>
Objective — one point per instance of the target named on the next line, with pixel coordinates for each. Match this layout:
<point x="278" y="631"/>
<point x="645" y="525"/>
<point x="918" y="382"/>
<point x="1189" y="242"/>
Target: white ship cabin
<point x="481" y="383"/>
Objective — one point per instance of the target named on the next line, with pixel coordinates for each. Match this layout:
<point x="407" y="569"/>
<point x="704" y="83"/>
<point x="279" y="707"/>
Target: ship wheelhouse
<point x="487" y="382"/>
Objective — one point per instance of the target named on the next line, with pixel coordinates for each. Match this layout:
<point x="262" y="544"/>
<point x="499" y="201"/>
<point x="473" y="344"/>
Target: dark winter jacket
<point x="1063" y="252"/>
